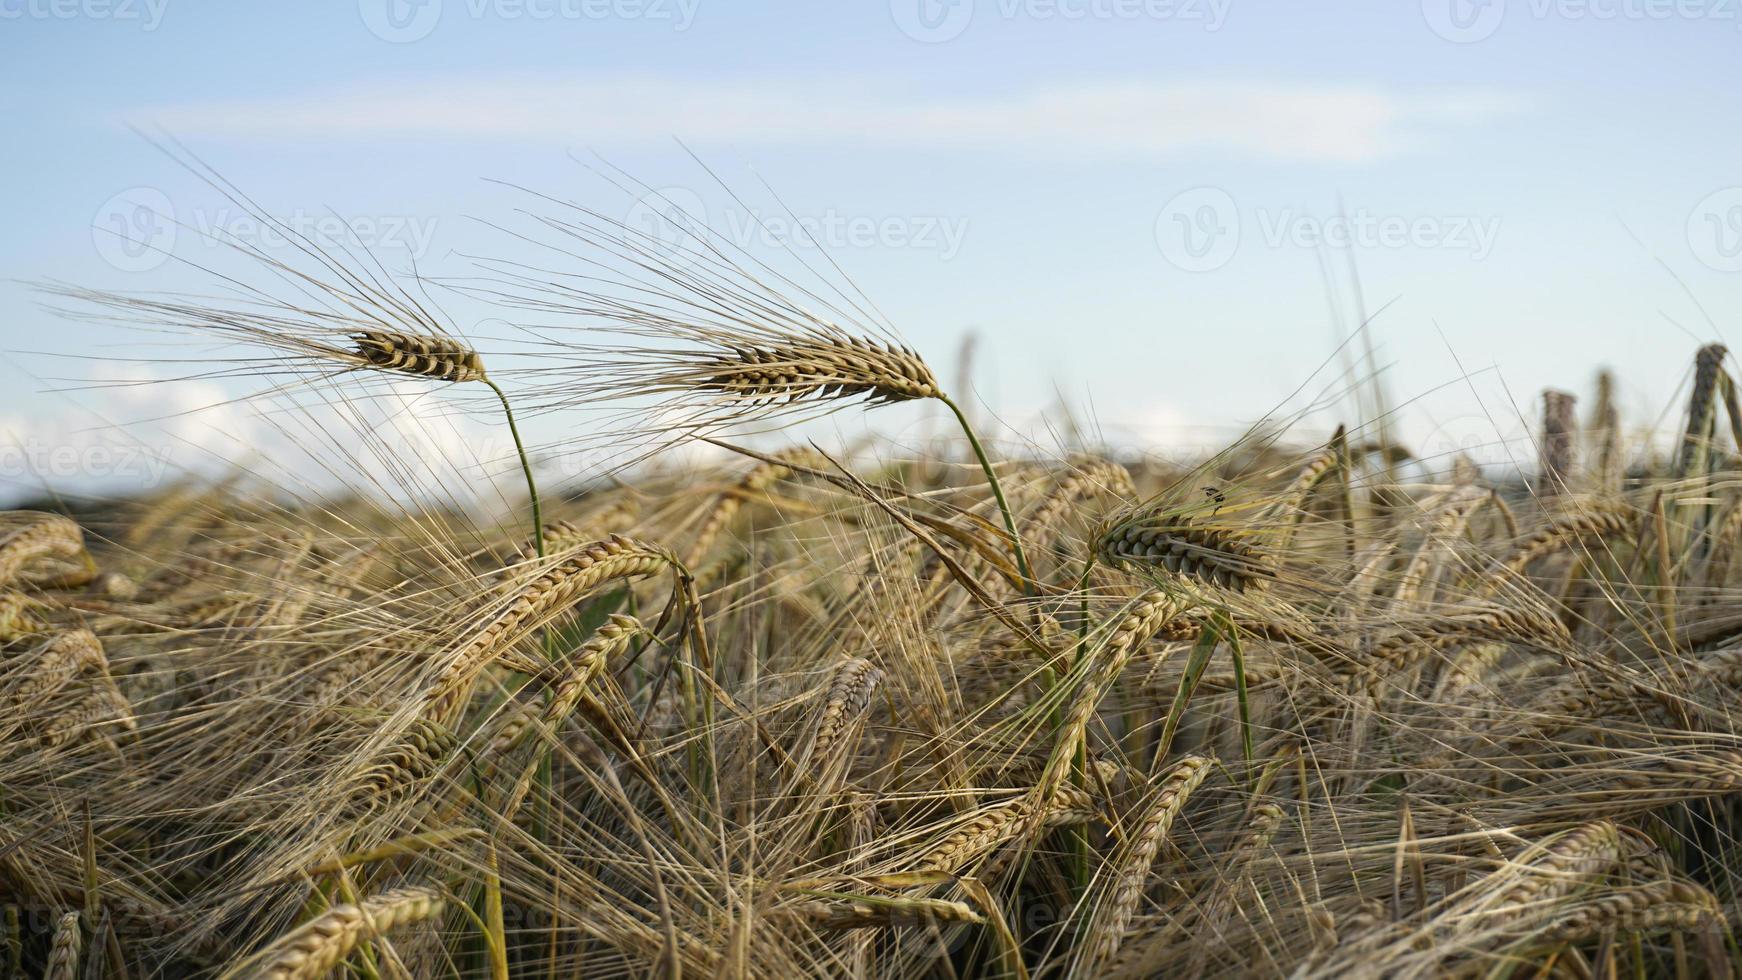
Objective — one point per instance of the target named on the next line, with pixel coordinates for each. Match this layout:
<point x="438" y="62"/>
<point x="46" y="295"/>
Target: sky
<point x="1167" y="215"/>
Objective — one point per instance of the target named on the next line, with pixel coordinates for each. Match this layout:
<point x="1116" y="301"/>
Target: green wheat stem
<point x="997" y="493"/>
<point x="525" y="467"/>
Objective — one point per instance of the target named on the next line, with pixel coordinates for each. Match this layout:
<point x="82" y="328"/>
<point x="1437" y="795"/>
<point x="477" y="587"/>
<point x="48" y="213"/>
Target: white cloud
<point x="1144" y="119"/>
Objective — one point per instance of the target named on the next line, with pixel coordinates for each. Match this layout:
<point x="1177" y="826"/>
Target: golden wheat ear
<point x="823" y="367"/>
<point x="425" y="357"/>
<point x="317" y="947"/>
<point x="1173" y="542"/>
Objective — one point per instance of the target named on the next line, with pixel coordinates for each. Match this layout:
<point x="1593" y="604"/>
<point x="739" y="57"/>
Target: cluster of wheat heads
<point x="1329" y="711"/>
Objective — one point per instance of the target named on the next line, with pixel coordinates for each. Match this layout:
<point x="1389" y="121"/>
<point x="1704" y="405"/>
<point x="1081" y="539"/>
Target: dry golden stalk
<point x="996" y="825"/>
<point x="1559" y="438"/>
<point x="1655" y="907"/>
<point x="850" y="691"/>
<point x="63" y="951"/>
<point x="553" y="591"/>
<point x="821" y="366"/>
<point x="1174" y="542"/>
<point x="876" y="912"/>
<point x="44" y="536"/>
<point x="1131" y="865"/>
<point x="426" y="357"/>
<point x="317" y="947"/>
<point x="416" y="755"/>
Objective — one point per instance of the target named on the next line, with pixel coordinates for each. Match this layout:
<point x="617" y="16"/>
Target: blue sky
<point x="1157" y="210"/>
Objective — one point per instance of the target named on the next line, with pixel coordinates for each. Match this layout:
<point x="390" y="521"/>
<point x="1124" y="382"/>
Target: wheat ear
<point x="1702" y="411"/>
<point x="1131" y="865"/>
<point x="1146" y="615"/>
<point x="412" y="757"/>
<point x="437" y="358"/>
<point x="1560" y="429"/>
<point x="1654" y="907"/>
<point x="996" y="825"/>
<point x="1153" y="538"/>
<point x="849" y="694"/>
<point x="45" y="536"/>
<point x="572" y="577"/>
<point x="877" y="912"/>
<point x="585" y="664"/>
<point x="63" y="951"/>
<point x="318" y="946"/>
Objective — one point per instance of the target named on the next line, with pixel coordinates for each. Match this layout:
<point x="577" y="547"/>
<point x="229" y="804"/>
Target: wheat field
<point x="1302" y="707"/>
